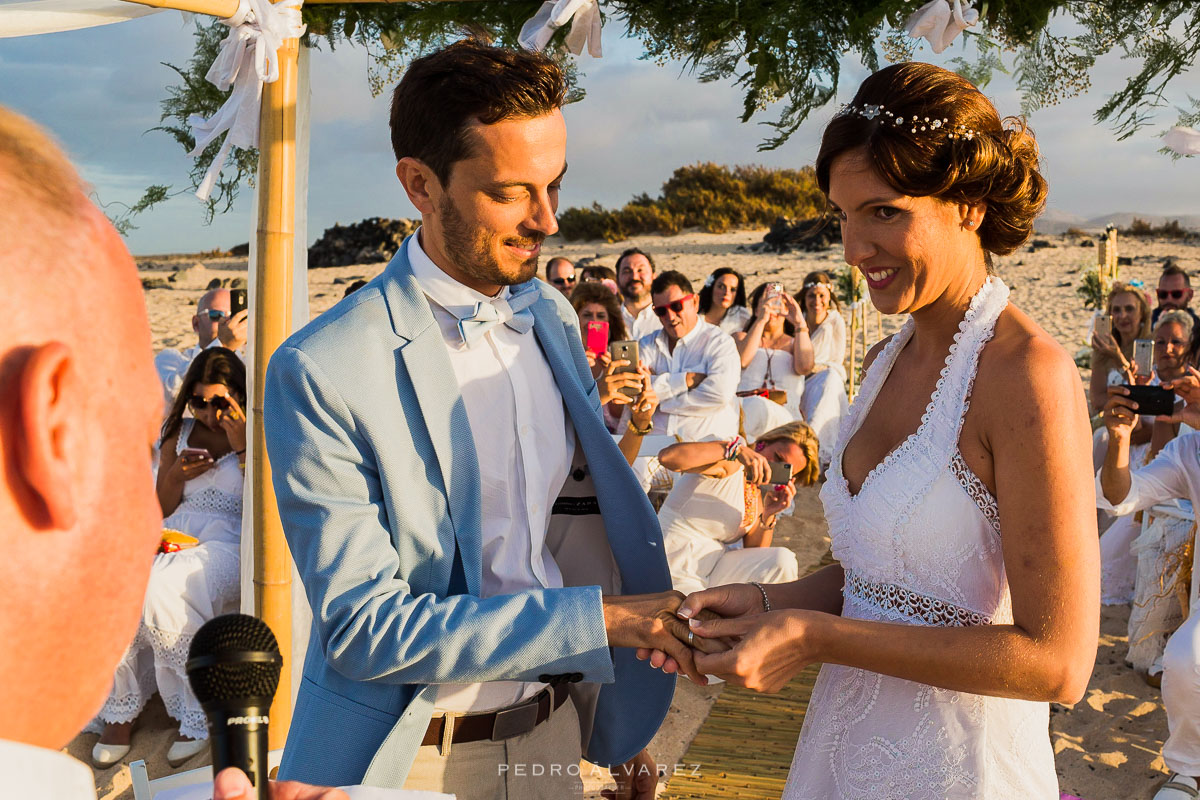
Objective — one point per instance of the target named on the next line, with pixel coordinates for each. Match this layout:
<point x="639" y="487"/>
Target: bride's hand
<point x="771" y="648"/>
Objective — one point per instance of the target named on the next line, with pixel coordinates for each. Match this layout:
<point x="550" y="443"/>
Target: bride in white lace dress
<point x="959" y="499"/>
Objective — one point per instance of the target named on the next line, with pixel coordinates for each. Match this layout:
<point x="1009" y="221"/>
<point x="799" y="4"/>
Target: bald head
<point x="78" y="515"/>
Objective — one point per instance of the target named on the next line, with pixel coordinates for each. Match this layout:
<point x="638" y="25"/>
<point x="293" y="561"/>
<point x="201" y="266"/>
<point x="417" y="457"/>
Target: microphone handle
<point x="238" y="738"/>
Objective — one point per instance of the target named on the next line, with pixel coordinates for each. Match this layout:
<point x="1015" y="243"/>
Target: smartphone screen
<point x="237" y="301"/>
<point x="596" y="338"/>
<point x="1143" y="357"/>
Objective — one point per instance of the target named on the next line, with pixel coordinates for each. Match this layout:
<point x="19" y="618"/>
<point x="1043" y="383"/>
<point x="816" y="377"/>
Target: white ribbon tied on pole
<point x="1184" y="141"/>
<point x="249" y="57"/>
<point x="584" y="17"/>
<point x="940" y="22"/>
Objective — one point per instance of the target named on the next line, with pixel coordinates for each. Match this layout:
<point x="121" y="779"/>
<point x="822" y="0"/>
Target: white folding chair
<point x="162" y="788"/>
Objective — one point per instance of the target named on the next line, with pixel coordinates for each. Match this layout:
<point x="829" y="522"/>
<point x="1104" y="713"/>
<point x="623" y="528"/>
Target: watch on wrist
<point x="641" y="431"/>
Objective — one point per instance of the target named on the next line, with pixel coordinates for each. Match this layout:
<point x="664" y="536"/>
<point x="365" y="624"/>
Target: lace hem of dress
<point x="211" y="500"/>
<point x="910" y="605"/>
<point x="976" y="490"/>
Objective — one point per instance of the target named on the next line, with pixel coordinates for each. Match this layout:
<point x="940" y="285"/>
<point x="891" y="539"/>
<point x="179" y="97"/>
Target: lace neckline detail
<point x="993" y="287"/>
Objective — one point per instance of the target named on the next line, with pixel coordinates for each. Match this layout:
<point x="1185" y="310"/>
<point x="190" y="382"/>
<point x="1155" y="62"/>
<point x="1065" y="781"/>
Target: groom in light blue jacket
<point x="478" y="556"/>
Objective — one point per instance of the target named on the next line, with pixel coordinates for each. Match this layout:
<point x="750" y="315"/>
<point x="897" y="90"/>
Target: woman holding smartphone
<point x="960" y="498"/>
<point x="719" y="518"/>
<point x="200" y="491"/>
<point x="1128" y="313"/>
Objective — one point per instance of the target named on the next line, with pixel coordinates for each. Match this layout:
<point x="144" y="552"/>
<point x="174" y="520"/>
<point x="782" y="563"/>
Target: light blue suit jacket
<point x="377" y="478"/>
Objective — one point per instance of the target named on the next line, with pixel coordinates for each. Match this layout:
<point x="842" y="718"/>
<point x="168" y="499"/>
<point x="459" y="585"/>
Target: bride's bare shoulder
<point x="1023" y="356"/>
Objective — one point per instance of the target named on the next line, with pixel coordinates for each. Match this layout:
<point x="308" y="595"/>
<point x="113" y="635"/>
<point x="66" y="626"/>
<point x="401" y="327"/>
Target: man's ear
<point x="196" y="324"/>
<point x="422" y="186"/>
<point x="46" y="417"/>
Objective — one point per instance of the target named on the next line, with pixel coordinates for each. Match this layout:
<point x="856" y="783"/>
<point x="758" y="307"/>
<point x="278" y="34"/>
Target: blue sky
<point x="98" y="90"/>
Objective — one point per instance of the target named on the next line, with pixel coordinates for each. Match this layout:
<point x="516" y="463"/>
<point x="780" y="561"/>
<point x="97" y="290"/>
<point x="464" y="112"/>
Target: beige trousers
<point x="540" y="765"/>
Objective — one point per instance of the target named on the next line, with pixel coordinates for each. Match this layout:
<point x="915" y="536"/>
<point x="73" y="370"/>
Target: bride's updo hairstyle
<point x="930" y="133"/>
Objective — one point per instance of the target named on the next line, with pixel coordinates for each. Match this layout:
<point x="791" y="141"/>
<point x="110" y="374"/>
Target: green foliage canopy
<point x="777" y="51"/>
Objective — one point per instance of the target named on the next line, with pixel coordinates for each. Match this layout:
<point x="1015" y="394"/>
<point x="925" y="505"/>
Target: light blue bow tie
<point x="486" y="316"/>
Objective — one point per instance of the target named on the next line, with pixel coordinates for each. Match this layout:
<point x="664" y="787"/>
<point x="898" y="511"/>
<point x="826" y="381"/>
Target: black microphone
<point x="233" y="667"/>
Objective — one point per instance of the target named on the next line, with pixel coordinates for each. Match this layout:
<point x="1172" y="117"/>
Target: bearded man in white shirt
<point x="1174" y="473"/>
<point x="79" y="519"/>
<point x="635" y="273"/>
<point x="695" y="365"/>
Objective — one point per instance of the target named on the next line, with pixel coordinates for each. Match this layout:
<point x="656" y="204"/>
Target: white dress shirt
<point x="709" y="411"/>
<point x="34" y="772"/>
<point x="525" y="443"/>
<point x="1174" y="474"/>
<point x="644" y="324"/>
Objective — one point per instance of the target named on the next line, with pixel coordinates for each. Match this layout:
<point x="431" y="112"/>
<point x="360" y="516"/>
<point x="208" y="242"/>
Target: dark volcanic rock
<point x="809" y="235"/>
<point x="372" y="240"/>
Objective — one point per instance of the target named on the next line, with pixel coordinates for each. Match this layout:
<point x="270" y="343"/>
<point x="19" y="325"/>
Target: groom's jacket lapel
<point x="427" y="366"/>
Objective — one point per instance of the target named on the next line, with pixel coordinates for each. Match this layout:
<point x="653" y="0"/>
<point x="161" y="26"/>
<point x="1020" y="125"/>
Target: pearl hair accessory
<point x="914" y="124"/>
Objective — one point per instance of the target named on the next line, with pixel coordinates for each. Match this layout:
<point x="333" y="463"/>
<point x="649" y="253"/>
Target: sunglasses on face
<point x="674" y="305"/>
<point x="1174" y="294"/>
<point x="215" y="315"/>
<point x="567" y="281"/>
<point x="218" y="403"/>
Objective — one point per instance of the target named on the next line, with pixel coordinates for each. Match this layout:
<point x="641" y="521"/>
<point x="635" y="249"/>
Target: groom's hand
<point x="649" y="621"/>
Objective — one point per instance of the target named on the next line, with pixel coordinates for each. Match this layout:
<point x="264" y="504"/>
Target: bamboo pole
<point x="272" y="322"/>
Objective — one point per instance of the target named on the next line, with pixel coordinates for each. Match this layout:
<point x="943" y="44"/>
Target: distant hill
<point x="1054" y="220"/>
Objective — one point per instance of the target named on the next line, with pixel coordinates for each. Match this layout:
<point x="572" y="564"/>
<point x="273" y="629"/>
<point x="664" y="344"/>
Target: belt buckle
<point x="515" y="721"/>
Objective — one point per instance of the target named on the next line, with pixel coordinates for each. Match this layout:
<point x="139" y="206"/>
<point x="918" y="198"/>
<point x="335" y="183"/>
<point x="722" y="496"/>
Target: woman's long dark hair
<point x="213" y="365"/>
<point x="739" y="297"/>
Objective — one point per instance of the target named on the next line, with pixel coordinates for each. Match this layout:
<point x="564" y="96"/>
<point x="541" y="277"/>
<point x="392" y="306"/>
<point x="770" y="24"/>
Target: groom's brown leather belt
<point x="502" y="724"/>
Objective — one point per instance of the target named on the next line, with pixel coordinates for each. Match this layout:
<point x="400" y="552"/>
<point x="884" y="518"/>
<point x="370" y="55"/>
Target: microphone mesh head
<point x="225" y="640"/>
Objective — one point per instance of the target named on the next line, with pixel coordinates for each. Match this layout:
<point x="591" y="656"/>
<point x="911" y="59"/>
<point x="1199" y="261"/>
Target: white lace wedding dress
<point x="920" y="544"/>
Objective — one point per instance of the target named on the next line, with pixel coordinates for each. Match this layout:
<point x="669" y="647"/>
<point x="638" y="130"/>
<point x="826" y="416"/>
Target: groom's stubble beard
<point x="471" y="251"/>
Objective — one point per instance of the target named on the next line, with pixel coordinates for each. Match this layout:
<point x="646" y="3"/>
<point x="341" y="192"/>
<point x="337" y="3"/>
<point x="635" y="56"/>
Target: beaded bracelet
<point x="766" y="602"/>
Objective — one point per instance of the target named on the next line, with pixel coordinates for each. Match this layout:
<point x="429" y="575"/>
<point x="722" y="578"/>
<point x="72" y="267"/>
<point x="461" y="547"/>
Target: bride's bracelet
<point x="766" y="601"/>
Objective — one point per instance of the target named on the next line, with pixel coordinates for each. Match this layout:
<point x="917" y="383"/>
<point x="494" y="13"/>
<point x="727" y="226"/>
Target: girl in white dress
<point x="200" y="490"/>
<point x="959" y="498"/>
<point x="824" y="402"/>
<point x="723" y="300"/>
<point x="719" y="518"/>
<point x="775" y="351"/>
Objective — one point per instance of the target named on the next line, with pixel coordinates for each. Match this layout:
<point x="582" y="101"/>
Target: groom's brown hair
<point x="442" y="94"/>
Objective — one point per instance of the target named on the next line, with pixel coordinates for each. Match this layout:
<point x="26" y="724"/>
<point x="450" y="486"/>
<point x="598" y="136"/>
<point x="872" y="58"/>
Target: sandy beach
<point x="1108" y="745"/>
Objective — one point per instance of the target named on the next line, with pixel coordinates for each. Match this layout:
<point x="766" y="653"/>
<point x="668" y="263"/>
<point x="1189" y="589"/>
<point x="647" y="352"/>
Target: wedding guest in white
<point x="775" y="350"/>
<point x="635" y="273"/>
<point x="1112" y="354"/>
<point x="965" y="597"/>
<point x="723" y="300"/>
<point x="1174" y="473"/>
<point x="695" y="366"/>
<point x="200" y="481"/>
<point x="1118" y="563"/>
<point x="825" y="402"/>
<point x="719" y="518"/>
<point x="214" y="327"/>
